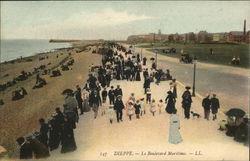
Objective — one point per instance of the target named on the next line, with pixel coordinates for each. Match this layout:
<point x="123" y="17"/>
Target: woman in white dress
<point x="153" y="107"/>
<point x="142" y="103"/>
<point x="174" y="134"/>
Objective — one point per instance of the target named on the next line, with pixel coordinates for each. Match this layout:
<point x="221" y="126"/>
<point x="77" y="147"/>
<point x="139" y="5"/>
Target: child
<point x="130" y="109"/>
<point x="137" y="107"/>
<point x="148" y="94"/>
<point x="111" y="113"/>
<point x="142" y="103"/>
<point x="132" y="97"/>
<point x="160" y="105"/>
<point x="153" y="107"/>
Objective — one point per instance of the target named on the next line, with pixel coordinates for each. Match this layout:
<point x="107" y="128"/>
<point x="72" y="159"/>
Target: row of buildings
<point x="200" y="37"/>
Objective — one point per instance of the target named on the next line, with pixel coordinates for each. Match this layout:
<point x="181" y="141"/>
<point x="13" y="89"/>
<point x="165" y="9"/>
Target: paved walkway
<point x="97" y="139"/>
<point x="231" y="84"/>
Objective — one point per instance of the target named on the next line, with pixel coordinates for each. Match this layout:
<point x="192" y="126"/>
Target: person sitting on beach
<point x="56" y="73"/>
<point x="64" y="67"/>
<point x="40" y="83"/>
<point x="1" y="102"/>
<point x="16" y="95"/>
<point x="23" y="91"/>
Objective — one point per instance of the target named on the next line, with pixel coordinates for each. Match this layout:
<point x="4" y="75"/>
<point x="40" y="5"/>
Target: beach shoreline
<point x="23" y="114"/>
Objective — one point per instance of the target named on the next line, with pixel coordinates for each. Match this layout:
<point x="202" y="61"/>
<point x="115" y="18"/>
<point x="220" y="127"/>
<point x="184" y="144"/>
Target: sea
<point x="15" y="48"/>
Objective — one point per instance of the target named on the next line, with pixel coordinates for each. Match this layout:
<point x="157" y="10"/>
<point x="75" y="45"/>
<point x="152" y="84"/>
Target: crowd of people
<point x="93" y="96"/>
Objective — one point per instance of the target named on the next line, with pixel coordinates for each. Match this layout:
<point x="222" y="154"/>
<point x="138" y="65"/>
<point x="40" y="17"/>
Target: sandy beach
<point x="20" y="117"/>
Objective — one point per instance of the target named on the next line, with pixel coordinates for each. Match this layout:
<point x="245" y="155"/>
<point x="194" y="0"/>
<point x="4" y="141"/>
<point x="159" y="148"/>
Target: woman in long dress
<point x="170" y="100"/>
<point x="85" y="96"/>
<point x="174" y="126"/>
<point x="138" y="77"/>
<point x="68" y="139"/>
<point x="174" y="87"/>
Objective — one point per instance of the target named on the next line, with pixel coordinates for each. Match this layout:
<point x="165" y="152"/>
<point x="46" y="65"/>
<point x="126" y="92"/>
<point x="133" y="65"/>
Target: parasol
<point x="236" y="112"/>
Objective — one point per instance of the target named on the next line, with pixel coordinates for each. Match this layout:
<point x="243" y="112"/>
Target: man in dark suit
<point x="146" y="84"/>
<point x="111" y="95"/>
<point x="215" y="105"/>
<point x="96" y="102"/>
<point x="25" y="149"/>
<point x="78" y="96"/>
<point x="186" y="102"/>
<point x="206" y="105"/>
<point x="145" y="73"/>
<point x="118" y="91"/>
<point x="118" y="107"/>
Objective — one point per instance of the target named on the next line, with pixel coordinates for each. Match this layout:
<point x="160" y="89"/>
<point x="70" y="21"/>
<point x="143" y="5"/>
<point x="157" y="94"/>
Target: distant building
<point x="219" y="37"/>
<point x="248" y="37"/>
<point x="159" y="32"/>
<point x="236" y="36"/>
<point x="141" y="38"/>
<point x="151" y="37"/>
<point x="190" y="37"/>
<point x="216" y="37"/>
<point x="202" y="37"/>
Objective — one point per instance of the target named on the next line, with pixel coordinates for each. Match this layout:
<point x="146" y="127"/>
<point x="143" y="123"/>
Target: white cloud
<point x="82" y="21"/>
<point x="105" y="17"/>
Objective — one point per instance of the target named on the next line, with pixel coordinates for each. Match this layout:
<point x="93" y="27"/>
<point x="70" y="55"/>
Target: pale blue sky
<point x="117" y="20"/>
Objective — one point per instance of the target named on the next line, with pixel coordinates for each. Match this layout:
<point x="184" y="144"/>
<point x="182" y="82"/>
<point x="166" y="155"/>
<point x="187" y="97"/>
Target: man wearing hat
<point x="119" y="106"/>
<point x="96" y="102"/>
<point x="118" y="91"/>
<point x="206" y="105"/>
<point x="215" y="105"/>
<point x="186" y="102"/>
<point x="111" y="95"/>
<point x="78" y="97"/>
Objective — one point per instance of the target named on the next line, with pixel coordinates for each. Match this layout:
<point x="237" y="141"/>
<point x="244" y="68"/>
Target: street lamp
<point x="194" y="62"/>
<point x="141" y="54"/>
<point x="156" y="54"/>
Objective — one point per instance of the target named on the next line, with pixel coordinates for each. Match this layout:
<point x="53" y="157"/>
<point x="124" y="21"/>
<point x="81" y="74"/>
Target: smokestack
<point x="244" y="27"/>
<point x="244" y="30"/>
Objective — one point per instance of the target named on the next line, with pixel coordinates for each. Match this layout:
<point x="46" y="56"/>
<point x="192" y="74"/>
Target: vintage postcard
<point x="124" y="80"/>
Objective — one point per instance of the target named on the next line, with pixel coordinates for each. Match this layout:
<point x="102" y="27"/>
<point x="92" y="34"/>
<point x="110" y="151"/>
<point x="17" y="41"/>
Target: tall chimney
<point x="244" y="27"/>
<point x="244" y="32"/>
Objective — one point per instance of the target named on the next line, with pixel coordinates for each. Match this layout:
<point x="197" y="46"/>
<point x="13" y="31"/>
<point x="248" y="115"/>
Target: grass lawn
<point x="222" y="53"/>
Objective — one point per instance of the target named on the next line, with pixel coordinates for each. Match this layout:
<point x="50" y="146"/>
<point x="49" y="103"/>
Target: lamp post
<point x="194" y="62"/>
<point x="156" y="54"/>
<point x="141" y="54"/>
